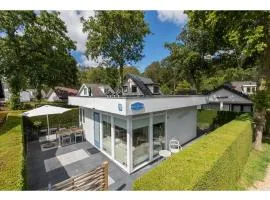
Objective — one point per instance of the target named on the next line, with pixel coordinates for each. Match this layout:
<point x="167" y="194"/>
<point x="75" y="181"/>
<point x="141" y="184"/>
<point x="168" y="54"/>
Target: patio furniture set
<point x="65" y="135"/>
<point x="174" y="147"/>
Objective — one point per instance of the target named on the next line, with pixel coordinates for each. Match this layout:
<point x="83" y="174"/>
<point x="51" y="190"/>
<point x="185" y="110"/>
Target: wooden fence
<point x="95" y="180"/>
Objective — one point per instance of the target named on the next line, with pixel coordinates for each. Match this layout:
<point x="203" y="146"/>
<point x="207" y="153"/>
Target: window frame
<point x="134" y="87"/>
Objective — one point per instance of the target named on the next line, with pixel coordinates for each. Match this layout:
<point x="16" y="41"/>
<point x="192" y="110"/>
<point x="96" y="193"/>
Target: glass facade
<point x="158" y="134"/>
<point x="120" y="142"/>
<point x="140" y="146"/>
<point x="115" y="143"/>
<point x="107" y="139"/>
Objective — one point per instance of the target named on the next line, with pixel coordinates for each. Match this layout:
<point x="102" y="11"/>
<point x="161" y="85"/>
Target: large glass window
<point x="140" y="147"/>
<point x="158" y="134"/>
<point x="107" y="142"/>
<point x="120" y="127"/>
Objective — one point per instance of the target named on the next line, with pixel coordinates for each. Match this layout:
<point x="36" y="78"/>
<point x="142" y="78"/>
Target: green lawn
<point x="205" y="118"/>
<point x="255" y="168"/>
<point x="11" y="153"/>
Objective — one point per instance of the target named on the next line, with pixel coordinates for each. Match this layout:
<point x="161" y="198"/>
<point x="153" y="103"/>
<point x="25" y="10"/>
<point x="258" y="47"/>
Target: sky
<point x="164" y="25"/>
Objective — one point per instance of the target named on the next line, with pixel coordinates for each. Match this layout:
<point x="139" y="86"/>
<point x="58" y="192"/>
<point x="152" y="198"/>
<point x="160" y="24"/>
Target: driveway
<point x="53" y="165"/>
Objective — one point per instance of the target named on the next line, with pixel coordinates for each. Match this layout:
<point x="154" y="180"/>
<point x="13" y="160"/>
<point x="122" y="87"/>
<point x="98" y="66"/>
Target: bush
<point x="224" y="117"/>
<point x="3" y="116"/>
<point x="67" y="119"/>
<point x="214" y="162"/>
<point x="205" y="118"/>
<point x="12" y="166"/>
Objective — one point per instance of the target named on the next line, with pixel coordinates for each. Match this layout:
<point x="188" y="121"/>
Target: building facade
<point x="226" y="98"/>
<point x="132" y="130"/>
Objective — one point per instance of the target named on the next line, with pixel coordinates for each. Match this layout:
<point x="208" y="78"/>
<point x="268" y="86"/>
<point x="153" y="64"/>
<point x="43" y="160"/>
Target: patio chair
<point x="174" y="145"/>
<point x="66" y="137"/>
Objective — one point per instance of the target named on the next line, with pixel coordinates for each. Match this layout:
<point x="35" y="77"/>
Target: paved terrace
<point x="54" y="165"/>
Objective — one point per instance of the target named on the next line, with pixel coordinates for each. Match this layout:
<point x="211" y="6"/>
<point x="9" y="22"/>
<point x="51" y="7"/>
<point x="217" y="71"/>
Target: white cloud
<point x="74" y="26"/>
<point x="88" y="62"/>
<point x="72" y="20"/>
<point x="177" y="17"/>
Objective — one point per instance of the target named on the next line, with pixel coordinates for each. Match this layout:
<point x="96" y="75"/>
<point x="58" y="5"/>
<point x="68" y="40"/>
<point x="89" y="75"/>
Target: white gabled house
<point x="131" y="130"/>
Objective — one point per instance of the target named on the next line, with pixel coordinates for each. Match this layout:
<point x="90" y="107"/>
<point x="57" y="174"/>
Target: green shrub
<point x="223" y="117"/>
<point x="12" y="154"/>
<point x="206" y="117"/>
<point x="67" y="119"/>
<point x="214" y="162"/>
<point x="3" y="116"/>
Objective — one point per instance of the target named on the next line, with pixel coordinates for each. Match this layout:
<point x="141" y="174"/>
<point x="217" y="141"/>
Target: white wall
<point x="182" y="124"/>
<point x="53" y="97"/>
<point x="82" y="91"/>
<point x="111" y="105"/>
<point x="25" y="96"/>
<point x="88" y="126"/>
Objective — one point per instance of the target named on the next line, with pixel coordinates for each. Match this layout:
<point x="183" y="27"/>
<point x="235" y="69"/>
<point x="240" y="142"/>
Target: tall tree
<point x="187" y="64"/>
<point x="35" y="51"/>
<point x="130" y="70"/>
<point x="153" y="71"/>
<point x="13" y="49"/>
<point x="116" y="36"/>
<point x="248" y="34"/>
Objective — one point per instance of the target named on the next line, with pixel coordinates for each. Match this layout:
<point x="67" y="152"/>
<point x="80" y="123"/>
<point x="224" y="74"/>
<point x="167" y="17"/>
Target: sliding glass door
<point x="106" y="140"/>
<point x="97" y="129"/>
<point x="140" y="146"/>
<point x="158" y="134"/>
<point x="120" y="142"/>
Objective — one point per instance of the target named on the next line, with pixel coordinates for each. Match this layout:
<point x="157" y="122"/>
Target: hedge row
<point x="214" y="162"/>
<point x="12" y="162"/>
<point x="224" y="117"/>
<point x="67" y="119"/>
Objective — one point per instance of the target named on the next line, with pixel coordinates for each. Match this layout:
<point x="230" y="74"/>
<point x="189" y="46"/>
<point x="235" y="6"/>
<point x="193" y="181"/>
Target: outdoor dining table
<point x="68" y="132"/>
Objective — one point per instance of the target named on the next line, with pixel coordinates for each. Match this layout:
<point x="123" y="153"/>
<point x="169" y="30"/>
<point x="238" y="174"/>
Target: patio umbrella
<point x="45" y="110"/>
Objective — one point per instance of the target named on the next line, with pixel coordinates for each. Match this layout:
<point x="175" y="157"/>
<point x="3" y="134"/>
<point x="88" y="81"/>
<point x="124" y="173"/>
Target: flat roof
<point x="124" y="105"/>
<point x="142" y="97"/>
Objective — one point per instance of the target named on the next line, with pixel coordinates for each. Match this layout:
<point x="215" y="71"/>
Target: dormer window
<point x="125" y="89"/>
<point x="85" y="91"/>
<point x="156" y="89"/>
<point x="134" y="88"/>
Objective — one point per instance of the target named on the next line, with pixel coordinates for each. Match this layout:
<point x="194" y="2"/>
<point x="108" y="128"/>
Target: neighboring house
<point x="135" y="85"/>
<point x="228" y="98"/>
<point x="131" y="130"/>
<point x="60" y="94"/>
<point x="96" y="90"/>
<point x="246" y="87"/>
<point x="25" y="95"/>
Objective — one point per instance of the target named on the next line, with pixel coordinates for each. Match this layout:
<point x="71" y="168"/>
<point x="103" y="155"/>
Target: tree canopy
<point x="116" y="36"/>
<point x="35" y="51"/>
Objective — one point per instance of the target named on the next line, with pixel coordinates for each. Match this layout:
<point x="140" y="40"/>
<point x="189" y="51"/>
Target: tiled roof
<point x="63" y="92"/>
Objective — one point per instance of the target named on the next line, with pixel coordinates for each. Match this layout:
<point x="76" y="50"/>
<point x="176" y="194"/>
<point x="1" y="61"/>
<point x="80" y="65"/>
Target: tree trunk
<point x="258" y="137"/>
<point x="121" y="75"/>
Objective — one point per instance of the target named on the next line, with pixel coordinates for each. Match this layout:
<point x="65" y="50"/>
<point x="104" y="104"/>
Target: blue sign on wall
<point x="120" y="107"/>
<point x="137" y="106"/>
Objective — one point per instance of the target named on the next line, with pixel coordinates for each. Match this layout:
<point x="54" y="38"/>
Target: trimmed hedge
<point x="214" y="162"/>
<point x="12" y="162"/>
<point x="224" y="117"/>
<point x="67" y="119"/>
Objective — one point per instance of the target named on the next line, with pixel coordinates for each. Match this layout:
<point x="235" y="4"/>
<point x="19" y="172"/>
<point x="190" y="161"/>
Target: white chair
<point x="174" y="145"/>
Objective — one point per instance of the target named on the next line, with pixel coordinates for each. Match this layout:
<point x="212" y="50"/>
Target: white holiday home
<point x="131" y="130"/>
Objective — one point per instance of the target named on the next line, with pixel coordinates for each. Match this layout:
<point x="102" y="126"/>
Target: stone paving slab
<point x="58" y="164"/>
